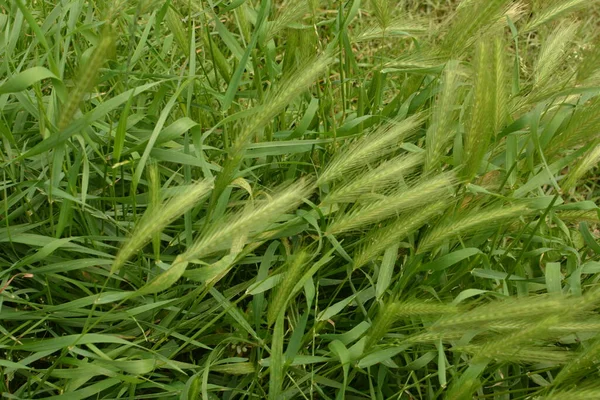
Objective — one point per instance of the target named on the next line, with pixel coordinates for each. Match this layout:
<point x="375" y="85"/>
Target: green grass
<point x="299" y="199"/>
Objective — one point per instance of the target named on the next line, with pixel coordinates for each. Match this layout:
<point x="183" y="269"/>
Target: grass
<point x="312" y="200"/>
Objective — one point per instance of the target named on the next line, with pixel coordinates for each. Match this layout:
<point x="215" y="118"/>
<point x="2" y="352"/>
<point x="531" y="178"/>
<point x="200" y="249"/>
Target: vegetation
<point x="299" y="199"/>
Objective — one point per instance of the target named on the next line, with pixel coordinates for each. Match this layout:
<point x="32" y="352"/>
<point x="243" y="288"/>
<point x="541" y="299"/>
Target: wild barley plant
<point x="294" y="277"/>
<point x="416" y="196"/>
<point x="87" y="77"/>
<point x="248" y="222"/>
<point x="158" y="217"/>
<point x="276" y="100"/>
<point x="370" y="148"/>
<point x="379" y="180"/>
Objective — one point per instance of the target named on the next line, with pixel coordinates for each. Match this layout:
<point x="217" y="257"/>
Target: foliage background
<point x="299" y="199"/>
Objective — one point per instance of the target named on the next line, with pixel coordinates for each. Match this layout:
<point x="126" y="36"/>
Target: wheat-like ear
<point x="501" y="85"/>
<point x="381" y="11"/>
<point x="412" y="308"/>
<point x="384" y="320"/>
<point x="424" y="61"/>
<point x="154" y="202"/>
<point x="531" y="309"/>
<point x="590" y="66"/>
<point x="580" y="216"/>
<point x="291" y="86"/>
<point x="87" y="76"/>
<point x="291" y="11"/>
<point x="424" y="193"/>
<point x="517" y="353"/>
<point x="370" y="148"/>
<point x="590" y="160"/>
<point x="276" y="100"/>
<point x="402" y="27"/>
<point x="377" y="180"/>
<point x="565" y="327"/>
<point x="583" y="127"/>
<point x="554" y="11"/>
<point x="480" y="125"/>
<point x="586" y="359"/>
<point x="442" y="129"/>
<point x="514" y="12"/>
<point x="249" y="222"/>
<point x="552" y="55"/>
<point x="156" y="219"/>
<point x="469" y="225"/>
<point x="381" y="239"/>
<point x="573" y="394"/>
<point x="174" y="21"/>
<point x="507" y="347"/>
<point x="393" y="311"/>
<point x="471" y="20"/>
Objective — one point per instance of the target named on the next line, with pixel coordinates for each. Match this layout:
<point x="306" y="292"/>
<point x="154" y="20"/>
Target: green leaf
<point x="59" y="343"/>
<point x="588" y="238"/>
<point x="24" y="79"/>
<point x="386" y="271"/>
<point x="92" y="116"/>
<point x="381" y="356"/>
<point x="553" y="277"/>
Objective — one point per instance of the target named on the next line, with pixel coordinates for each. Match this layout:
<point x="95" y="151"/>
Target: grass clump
<point x="299" y="199"/>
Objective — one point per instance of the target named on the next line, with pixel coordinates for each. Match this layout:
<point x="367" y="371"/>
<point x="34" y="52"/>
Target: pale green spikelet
<point x="514" y="12"/>
<point x="444" y="118"/>
<point x="431" y="337"/>
<point x="385" y="318"/>
<point x="552" y="56"/>
<point x="580" y="216"/>
<point x="290" y="88"/>
<point x="381" y="239"/>
<point x="290" y="12"/>
<point x="470" y="224"/>
<point x="509" y="347"/>
<point x="470" y="22"/>
<point x="590" y="160"/>
<point x="154" y="202"/>
<point x="400" y="28"/>
<point x="370" y="148"/>
<point x="480" y="126"/>
<point x="585" y="360"/>
<point x="583" y="127"/>
<point x="417" y="308"/>
<point x="277" y="99"/>
<point x="394" y="311"/>
<point x="87" y="77"/>
<point x="555" y="10"/>
<point x="419" y="195"/>
<point x="249" y="222"/>
<point x="501" y="86"/>
<point x="562" y="328"/>
<point x="423" y="61"/>
<point x="590" y="65"/>
<point x="500" y="350"/>
<point x="377" y="180"/>
<point x="174" y="22"/>
<point x="280" y="297"/>
<point x="381" y="11"/>
<point x="577" y="326"/>
<point x="155" y="220"/>
<point x="534" y="308"/>
<point x="573" y="394"/>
